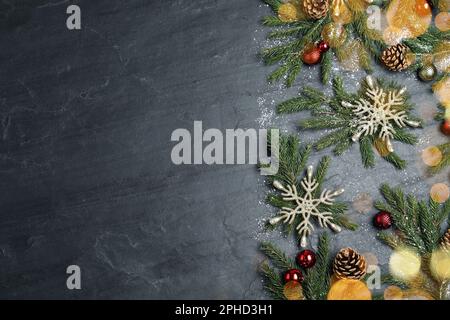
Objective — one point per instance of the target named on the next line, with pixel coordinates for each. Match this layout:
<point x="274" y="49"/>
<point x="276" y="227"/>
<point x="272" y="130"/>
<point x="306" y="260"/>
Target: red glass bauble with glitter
<point x="306" y="259"/>
<point x="445" y="127"/>
<point x="383" y="220"/>
<point x="293" y="275"/>
<point x="323" y="46"/>
<point x="312" y="56"/>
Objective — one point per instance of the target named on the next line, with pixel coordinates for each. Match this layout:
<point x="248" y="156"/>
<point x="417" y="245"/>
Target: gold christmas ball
<point x="334" y="34"/>
<point x="427" y="72"/>
<point x="440" y="192"/>
<point x="442" y="21"/>
<point x="293" y="291"/>
<point x="404" y="264"/>
<point x="348" y="289"/>
<point x="442" y="91"/>
<point x="288" y="12"/>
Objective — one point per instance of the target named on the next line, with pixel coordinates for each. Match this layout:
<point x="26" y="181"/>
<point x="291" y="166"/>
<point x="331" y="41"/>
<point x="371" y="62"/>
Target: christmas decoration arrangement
<point x="404" y="36"/>
<point x="374" y="116"/>
<point x="420" y="263"/>
<point x="314" y="275"/>
<point x="302" y="200"/>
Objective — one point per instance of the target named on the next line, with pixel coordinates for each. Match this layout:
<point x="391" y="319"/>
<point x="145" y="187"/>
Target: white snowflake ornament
<point x="306" y="206"/>
<point x="379" y="113"/>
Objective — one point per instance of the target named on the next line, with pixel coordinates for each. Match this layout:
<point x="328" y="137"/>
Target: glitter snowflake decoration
<point x="306" y="206"/>
<point x="381" y="113"/>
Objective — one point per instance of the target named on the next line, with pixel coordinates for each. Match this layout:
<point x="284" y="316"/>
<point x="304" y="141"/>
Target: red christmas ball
<point x="383" y="220"/>
<point x="306" y="259"/>
<point x="293" y="275"/>
<point x="312" y="56"/>
<point x="323" y="46"/>
<point x="445" y="127"/>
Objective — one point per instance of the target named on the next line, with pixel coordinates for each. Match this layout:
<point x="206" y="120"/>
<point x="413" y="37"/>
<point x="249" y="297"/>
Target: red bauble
<point x="312" y="56"/>
<point x="323" y="46"/>
<point x="293" y="275"/>
<point x="306" y="259"/>
<point x="383" y="220"/>
<point x="445" y="127"/>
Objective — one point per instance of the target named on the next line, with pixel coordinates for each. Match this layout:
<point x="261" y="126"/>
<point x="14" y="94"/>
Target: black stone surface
<point x="86" y="175"/>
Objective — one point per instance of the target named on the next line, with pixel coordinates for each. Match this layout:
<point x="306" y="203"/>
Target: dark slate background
<point x="86" y="176"/>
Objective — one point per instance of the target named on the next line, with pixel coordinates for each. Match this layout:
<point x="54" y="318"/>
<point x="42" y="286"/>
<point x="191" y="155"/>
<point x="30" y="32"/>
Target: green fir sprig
<point x="317" y="279"/>
<point x="329" y="113"/>
<point x="418" y="222"/>
<point x="417" y="225"/>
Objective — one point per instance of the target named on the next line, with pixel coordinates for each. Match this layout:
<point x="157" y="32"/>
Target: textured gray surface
<point x="86" y="176"/>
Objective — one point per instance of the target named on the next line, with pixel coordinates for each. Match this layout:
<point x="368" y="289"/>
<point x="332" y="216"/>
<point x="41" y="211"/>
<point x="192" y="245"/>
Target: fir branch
<point x="390" y="239"/>
<point x="419" y="222"/>
<point x="317" y="280"/>
<point x="272" y="282"/>
<point x="277" y="257"/>
<point x="326" y="67"/>
<point x="394" y="158"/>
<point x="272" y="21"/>
<point x="367" y="154"/>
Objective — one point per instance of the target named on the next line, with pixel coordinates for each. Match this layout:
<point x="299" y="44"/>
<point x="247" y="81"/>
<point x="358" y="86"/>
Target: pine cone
<point x="445" y="241"/>
<point x="316" y="9"/>
<point x="395" y="57"/>
<point x="349" y="264"/>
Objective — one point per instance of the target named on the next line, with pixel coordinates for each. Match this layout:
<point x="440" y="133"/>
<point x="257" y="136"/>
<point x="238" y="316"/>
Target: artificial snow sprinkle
<point x="379" y="113"/>
<point x="306" y="206"/>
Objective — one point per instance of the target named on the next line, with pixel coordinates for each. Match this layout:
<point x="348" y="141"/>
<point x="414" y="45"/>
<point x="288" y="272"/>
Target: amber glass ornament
<point x="334" y="34"/>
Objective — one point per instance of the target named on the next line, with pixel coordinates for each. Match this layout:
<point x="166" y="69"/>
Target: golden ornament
<point x="393" y="293"/>
<point x="288" y="12"/>
<point x="340" y="13"/>
<point x="334" y="34"/>
<point x="404" y="264"/>
<point x="432" y="156"/>
<point x="348" y="289"/>
<point x="293" y="291"/>
<point x="442" y="21"/>
<point x="440" y="192"/>
<point x="411" y="15"/>
<point x="440" y="264"/>
<point x="381" y="147"/>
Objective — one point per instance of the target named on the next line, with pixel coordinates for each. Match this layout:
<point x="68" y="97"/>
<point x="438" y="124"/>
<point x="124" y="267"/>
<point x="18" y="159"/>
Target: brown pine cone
<point x="316" y="9"/>
<point x="349" y="264"/>
<point x="395" y="58"/>
<point x="445" y="241"/>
